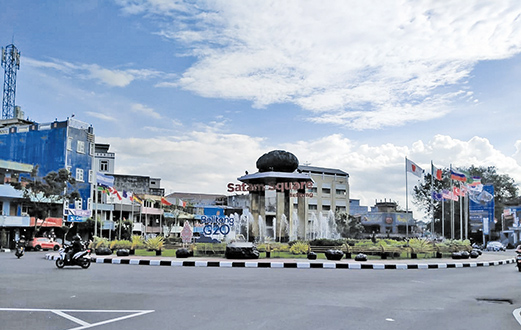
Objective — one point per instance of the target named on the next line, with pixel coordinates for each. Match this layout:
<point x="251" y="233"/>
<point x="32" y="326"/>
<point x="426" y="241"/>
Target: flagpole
<point x="451" y="206"/>
<point x="406" y="202"/>
<point x="432" y="200"/>
<point x="460" y="215"/>
<point x="443" y="217"/>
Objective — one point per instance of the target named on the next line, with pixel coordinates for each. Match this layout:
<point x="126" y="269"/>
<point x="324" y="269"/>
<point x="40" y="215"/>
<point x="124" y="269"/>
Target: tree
<point x="348" y="226"/>
<point x="505" y="190"/>
<point x="45" y="193"/>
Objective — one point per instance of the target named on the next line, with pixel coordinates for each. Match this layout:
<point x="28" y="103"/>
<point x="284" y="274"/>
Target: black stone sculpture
<point x="278" y="161"/>
<point x="241" y="250"/>
<point x="122" y="252"/>
<point x="361" y="257"/>
<point x="334" y="254"/>
<point x="183" y="253"/>
<point x="103" y="251"/>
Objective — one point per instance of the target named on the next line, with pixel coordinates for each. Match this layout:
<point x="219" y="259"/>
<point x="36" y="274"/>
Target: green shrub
<point x="327" y="242"/>
<point x="120" y="244"/>
<point x="137" y="242"/>
<point x="100" y="242"/>
<point x="155" y="243"/>
<point x="299" y="248"/>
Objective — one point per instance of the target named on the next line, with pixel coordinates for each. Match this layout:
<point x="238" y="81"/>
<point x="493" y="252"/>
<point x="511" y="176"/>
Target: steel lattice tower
<point x="10" y="63"/>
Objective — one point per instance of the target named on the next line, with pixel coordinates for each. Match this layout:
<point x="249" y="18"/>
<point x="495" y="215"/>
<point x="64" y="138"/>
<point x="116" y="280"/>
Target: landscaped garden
<point x="374" y="249"/>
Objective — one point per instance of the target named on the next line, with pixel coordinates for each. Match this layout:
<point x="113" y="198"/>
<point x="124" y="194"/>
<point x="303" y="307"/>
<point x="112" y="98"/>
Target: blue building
<point x="53" y="146"/>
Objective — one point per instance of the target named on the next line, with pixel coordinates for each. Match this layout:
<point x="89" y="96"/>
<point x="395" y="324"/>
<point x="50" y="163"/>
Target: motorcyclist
<point x="518" y="249"/>
<point x="76" y="247"/>
<point x="21" y="241"/>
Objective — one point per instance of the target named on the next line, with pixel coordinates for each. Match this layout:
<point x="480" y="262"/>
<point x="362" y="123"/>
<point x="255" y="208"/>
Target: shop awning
<point x="49" y="222"/>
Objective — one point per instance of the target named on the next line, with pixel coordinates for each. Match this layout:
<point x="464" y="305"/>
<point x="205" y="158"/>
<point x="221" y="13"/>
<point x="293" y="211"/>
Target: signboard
<point x="481" y="208"/>
<point x="76" y="218"/>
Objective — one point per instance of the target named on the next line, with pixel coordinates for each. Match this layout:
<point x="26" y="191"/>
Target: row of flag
<point x="437" y="173"/>
<point x="106" y="185"/>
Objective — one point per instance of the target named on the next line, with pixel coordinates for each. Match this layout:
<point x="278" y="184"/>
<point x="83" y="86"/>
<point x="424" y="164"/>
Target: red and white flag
<point x="413" y="168"/>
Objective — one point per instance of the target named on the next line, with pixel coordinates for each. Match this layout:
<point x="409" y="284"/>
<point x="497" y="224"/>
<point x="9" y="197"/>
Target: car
<point x="495" y="246"/>
<point x="43" y="243"/>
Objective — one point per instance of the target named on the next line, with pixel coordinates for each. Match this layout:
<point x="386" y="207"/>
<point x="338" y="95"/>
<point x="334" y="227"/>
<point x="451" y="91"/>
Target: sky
<point x="194" y="92"/>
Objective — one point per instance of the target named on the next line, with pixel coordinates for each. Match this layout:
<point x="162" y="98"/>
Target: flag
<point x="103" y="189"/>
<point x="456" y="191"/>
<point x="104" y="180"/>
<point x="115" y="192"/>
<point x="437" y="173"/>
<point x="413" y="168"/>
<point x="181" y="203"/>
<point x="164" y="201"/>
<point x="437" y="196"/>
<point x="446" y="194"/>
<point x="136" y="199"/>
<point x="458" y="176"/>
<point x="474" y="181"/>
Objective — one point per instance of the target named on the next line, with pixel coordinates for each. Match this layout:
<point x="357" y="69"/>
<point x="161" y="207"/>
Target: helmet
<point x="76" y="238"/>
<point x="22" y="237"/>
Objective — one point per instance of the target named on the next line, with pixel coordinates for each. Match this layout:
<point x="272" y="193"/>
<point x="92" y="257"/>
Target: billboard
<point x="481" y="208"/>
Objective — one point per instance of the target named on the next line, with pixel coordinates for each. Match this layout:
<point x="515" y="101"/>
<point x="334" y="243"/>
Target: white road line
<point x="83" y="324"/>
<point x="517" y="315"/>
<point x="71" y="318"/>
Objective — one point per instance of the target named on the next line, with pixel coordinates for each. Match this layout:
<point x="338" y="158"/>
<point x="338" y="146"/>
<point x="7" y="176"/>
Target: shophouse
<point x="53" y="146"/>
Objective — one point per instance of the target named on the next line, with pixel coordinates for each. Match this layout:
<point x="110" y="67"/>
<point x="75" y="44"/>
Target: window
<point x="90" y="176"/>
<point x="340" y="192"/>
<point x="326" y="207"/>
<point x="326" y="190"/>
<point x="69" y="144"/>
<point x="79" y="174"/>
<point x="313" y="207"/>
<point x="81" y="147"/>
<point x="340" y="208"/>
<point x="104" y="166"/>
<point x="91" y="148"/>
<point x="314" y="190"/>
<point x="78" y="204"/>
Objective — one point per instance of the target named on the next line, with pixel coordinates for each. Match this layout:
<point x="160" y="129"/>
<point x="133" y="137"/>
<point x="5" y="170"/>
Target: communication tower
<point x="10" y="63"/>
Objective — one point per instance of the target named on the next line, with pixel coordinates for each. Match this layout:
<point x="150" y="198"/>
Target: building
<point x="384" y="219"/>
<point x="14" y="221"/>
<point x="53" y="146"/>
<point x="131" y="197"/>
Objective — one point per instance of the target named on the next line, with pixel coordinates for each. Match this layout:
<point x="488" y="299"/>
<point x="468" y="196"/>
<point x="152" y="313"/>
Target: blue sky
<point x="194" y="92"/>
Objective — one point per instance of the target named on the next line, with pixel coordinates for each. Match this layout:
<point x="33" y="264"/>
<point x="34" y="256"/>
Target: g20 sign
<point x="215" y="225"/>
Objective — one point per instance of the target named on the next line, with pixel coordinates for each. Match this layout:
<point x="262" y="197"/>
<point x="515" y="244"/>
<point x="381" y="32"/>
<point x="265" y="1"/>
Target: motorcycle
<point x="20" y="250"/>
<point x="81" y="258"/>
<point x="518" y="261"/>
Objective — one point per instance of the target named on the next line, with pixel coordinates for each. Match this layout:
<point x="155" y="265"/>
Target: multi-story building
<point x="53" y="146"/>
<point x="145" y="211"/>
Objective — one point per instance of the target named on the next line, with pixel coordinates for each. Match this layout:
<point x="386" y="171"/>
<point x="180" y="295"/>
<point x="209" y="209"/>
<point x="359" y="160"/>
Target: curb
<point x="299" y="265"/>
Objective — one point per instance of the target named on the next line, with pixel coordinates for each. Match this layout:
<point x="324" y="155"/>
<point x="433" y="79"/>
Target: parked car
<point x="495" y="246"/>
<point x="42" y="243"/>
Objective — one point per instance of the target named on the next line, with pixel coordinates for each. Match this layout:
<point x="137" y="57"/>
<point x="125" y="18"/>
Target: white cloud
<point x="145" y="111"/>
<point x="206" y="160"/>
<point x="371" y="64"/>
<point x="101" y="116"/>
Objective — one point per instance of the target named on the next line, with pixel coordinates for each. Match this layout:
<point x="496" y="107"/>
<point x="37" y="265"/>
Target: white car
<point x="495" y="246"/>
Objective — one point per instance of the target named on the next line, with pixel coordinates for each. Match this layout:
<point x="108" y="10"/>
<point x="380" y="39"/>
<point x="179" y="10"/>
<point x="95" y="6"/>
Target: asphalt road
<point x="34" y="294"/>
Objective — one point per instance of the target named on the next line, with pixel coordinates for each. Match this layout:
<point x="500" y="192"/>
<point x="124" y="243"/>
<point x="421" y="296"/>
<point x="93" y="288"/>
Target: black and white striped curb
<point x="300" y="265"/>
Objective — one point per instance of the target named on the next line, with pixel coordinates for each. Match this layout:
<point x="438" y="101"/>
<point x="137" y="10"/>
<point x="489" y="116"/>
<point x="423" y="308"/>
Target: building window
<point x="326" y="207"/>
<point x="313" y="207"/>
<point x="79" y="174"/>
<point x="89" y="203"/>
<point x="340" y="208"/>
<point x="78" y="204"/>
<point x="340" y="192"/>
<point x="81" y="147"/>
<point x="69" y="144"/>
<point x="326" y="190"/>
<point x="90" y="176"/>
<point x="91" y="148"/>
<point x="104" y="166"/>
<point x="314" y="190"/>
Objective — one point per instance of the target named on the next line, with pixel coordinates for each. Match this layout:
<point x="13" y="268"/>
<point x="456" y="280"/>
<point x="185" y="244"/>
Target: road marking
<point x="517" y="315"/>
<point x="83" y="324"/>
